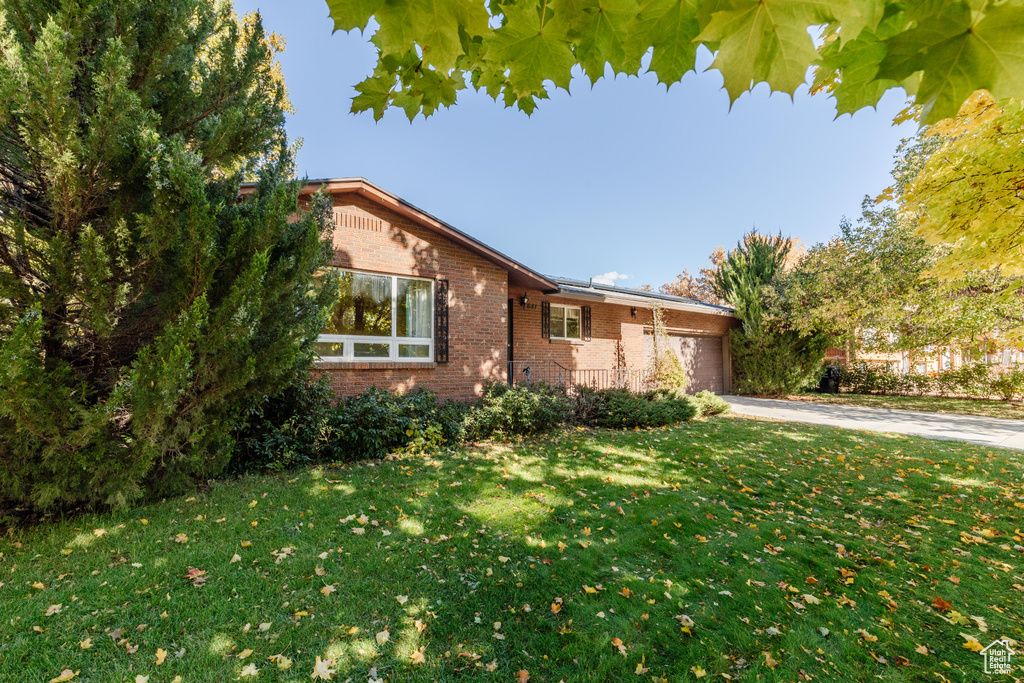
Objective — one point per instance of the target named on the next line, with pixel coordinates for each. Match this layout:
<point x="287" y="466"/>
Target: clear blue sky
<point x="620" y="178"/>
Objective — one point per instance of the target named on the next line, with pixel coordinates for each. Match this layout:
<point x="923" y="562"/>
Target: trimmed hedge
<point x="973" y="380"/>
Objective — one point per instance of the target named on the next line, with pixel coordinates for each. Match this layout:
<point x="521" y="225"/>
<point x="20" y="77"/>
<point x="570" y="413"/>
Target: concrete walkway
<point x="988" y="431"/>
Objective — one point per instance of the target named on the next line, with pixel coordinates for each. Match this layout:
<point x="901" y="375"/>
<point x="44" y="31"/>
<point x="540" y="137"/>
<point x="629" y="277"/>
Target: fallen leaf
<point x="522" y="676"/>
<point x="402" y="599"/>
<point x="244" y="653"/>
<point x="972" y="643"/>
<point x="235" y="558"/>
<point x="53" y="609"/>
<point x="941" y="605"/>
<point x="921" y="649"/>
<point x="383" y="637"/>
<point x="85" y="644"/>
<point x="65" y="675"/>
<point x="417" y="656"/>
<point x="282" y="662"/>
<point x="698" y="671"/>
<point x="248" y="671"/>
<point x="322" y="669"/>
<point x="327" y="590"/>
<point x="161" y="655"/>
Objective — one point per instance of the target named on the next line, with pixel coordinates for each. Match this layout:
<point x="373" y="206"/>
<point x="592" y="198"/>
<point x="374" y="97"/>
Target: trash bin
<point x="829" y="383"/>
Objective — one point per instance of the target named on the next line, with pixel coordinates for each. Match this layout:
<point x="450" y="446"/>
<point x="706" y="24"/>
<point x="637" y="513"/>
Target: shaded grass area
<point x="931" y="404"/>
<point x="721" y="547"/>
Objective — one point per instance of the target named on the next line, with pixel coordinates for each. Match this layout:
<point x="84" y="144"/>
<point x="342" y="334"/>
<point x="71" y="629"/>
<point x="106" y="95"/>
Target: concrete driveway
<point x="988" y="431"/>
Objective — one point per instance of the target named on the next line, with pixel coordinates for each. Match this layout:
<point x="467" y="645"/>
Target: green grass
<point x="931" y="404"/>
<point x="730" y="522"/>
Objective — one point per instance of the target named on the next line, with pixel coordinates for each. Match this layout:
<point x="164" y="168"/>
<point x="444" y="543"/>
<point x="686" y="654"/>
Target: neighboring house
<point x="422" y="304"/>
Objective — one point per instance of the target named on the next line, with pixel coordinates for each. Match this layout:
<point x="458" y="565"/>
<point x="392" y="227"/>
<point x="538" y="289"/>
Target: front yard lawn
<point x="730" y="549"/>
<point x="931" y="404"/>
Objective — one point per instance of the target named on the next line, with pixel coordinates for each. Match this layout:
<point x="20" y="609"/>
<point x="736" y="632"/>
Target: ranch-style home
<point x="423" y="304"/>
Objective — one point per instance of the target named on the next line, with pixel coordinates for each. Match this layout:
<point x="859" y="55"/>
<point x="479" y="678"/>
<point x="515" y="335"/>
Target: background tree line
<point x="935" y="260"/>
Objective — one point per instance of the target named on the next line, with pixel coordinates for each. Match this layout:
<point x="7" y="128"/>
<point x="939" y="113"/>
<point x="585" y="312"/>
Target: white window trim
<point x="578" y="309"/>
<point x="394" y="340"/>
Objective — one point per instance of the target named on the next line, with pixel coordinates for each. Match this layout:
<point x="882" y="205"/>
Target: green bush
<point x="377" y="422"/>
<point x="1009" y="385"/>
<point x="517" y="411"/>
<point x="620" y="409"/>
<point x="301" y="426"/>
<point x="976" y="379"/>
<point x="710" y="404"/>
<point x="775" y="363"/>
<point x="289" y="429"/>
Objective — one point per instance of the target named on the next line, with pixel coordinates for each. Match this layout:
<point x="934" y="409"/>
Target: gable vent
<point x="358" y="221"/>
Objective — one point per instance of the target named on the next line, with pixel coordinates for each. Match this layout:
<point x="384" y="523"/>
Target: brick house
<point x="422" y="304"/>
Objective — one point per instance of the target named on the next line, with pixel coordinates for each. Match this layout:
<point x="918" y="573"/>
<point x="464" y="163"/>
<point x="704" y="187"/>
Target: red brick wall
<point x="371" y="238"/>
<point x="611" y="324"/>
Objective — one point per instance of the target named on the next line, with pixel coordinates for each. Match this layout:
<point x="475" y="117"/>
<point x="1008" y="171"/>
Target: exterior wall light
<point x="523" y="300"/>
<point x="632" y="312"/>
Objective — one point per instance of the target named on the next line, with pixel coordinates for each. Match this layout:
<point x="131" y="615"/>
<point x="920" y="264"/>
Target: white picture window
<point x="566" y="322"/>
<point x="379" y="318"/>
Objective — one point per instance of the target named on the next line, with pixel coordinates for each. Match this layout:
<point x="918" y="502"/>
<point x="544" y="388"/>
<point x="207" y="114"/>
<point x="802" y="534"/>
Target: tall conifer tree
<point x="144" y="306"/>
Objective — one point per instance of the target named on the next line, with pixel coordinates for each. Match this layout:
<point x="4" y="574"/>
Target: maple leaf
<point x="65" y="675"/>
<point x="54" y="609"/>
<point x="196" y="576"/>
<point x="85" y="644"/>
<point x="417" y="656"/>
<point x="322" y="669"/>
<point x="522" y="676"/>
<point x="402" y="599"/>
<point x="949" y="44"/>
<point x="282" y="662"/>
<point x="382" y="637"/>
<point x="941" y="605"/>
<point x="972" y="643"/>
<point x="327" y="590"/>
<point x="921" y="649"/>
<point x="698" y="671"/>
<point x="244" y="653"/>
<point x="161" y="655"/>
<point x="765" y="41"/>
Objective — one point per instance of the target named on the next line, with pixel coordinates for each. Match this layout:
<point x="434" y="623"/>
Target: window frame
<point x="565" y="321"/>
<point x="393" y="341"/>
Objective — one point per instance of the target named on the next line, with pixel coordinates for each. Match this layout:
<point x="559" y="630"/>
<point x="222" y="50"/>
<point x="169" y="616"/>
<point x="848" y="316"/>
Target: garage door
<point x="701" y="358"/>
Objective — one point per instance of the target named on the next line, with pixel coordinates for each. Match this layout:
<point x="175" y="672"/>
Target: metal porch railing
<point x="555" y="374"/>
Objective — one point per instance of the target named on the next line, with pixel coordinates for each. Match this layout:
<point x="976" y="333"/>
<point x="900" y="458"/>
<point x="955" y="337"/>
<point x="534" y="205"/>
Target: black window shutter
<point x="545" y="320"/>
<point x="586" y="323"/>
<point x="441" y="321"/>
